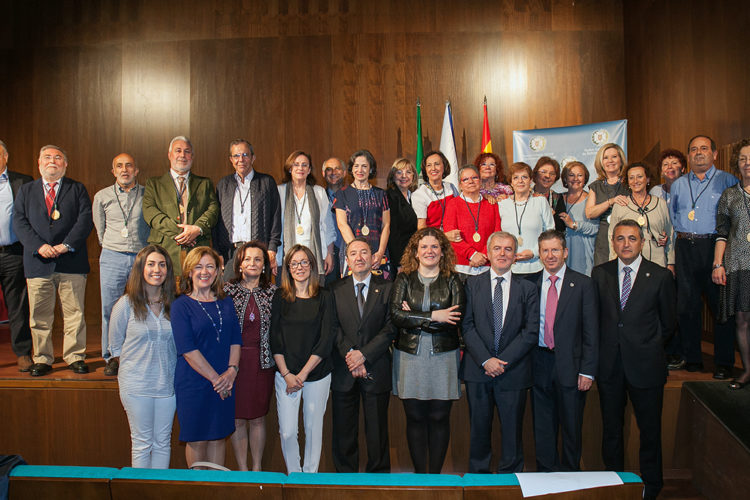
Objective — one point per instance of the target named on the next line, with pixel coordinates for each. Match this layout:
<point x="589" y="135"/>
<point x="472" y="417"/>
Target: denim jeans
<point x="114" y="269"/>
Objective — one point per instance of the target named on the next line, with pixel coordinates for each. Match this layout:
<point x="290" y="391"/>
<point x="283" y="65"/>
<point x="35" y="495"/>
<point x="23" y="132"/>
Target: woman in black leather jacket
<point x="427" y="303"/>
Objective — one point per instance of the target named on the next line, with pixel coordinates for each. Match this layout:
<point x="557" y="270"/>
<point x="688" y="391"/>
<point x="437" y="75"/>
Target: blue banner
<point x="566" y="144"/>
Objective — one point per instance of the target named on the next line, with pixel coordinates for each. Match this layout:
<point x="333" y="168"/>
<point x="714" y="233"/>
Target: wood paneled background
<point x="99" y="77"/>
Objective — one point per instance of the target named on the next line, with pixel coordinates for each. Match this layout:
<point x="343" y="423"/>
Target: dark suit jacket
<point x="17" y="180"/>
<point x="265" y="207"/>
<point x="642" y="329"/>
<point x="372" y="334"/>
<point x="34" y="227"/>
<point x="520" y="331"/>
<point x="162" y="212"/>
<point x="576" y="328"/>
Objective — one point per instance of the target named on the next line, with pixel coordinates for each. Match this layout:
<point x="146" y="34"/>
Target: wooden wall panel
<point x="686" y="73"/>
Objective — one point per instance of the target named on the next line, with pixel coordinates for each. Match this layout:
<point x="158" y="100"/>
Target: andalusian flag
<point x="486" y="139"/>
<point x="420" y="149"/>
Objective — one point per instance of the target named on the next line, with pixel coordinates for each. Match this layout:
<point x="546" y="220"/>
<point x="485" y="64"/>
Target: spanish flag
<point x="486" y="139"/>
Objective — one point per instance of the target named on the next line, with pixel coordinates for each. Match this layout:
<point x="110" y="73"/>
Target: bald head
<point x="125" y="170"/>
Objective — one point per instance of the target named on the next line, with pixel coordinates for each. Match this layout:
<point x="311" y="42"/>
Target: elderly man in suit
<point x="500" y="329"/>
<point x="11" y="264"/>
<point x="361" y="363"/>
<point x="180" y="207"/>
<point x="250" y="207"/>
<point x="636" y="318"/>
<point x="565" y="358"/>
<point x="52" y="220"/>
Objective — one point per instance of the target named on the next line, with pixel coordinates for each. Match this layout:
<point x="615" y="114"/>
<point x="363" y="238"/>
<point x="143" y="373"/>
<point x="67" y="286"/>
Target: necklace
<point x="221" y="320"/>
<point x="442" y="201"/>
<point x="300" y="228"/>
<point x="247" y="195"/>
<point x="251" y="316"/>
<point x="476" y="236"/>
<point x="519" y="221"/>
<point x="365" y="200"/>
<point x="694" y="199"/>
<point x="568" y="202"/>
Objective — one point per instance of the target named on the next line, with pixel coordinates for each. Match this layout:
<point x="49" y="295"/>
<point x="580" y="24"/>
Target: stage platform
<point x="78" y="420"/>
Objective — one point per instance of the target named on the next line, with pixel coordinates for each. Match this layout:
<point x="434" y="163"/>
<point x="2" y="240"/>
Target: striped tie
<point x="50" y="198"/>
<point x="497" y="306"/>
<point x="626" y="284"/>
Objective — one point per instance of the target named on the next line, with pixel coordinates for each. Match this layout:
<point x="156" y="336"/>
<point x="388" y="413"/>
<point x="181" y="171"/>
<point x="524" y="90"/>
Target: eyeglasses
<point x="473" y="178"/>
<point x="50" y="157"/>
<point x="236" y="157"/>
<point x="301" y="263"/>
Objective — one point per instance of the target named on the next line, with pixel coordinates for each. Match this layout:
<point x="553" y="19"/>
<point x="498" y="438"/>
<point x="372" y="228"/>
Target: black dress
<point x="403" y="225"/>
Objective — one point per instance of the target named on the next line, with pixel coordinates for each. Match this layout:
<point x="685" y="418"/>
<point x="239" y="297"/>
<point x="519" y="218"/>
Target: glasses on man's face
<point x="300" y="264"/>
<point x="50" y="157"/>
<point x="237" y="156"/>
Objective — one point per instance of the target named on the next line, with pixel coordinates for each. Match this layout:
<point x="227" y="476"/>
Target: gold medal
<point x="748" y="236"/>
<point x="124" y="233"/>
<point x="300" y="229"/>
<point x="55" y="214"/>
<point x="608" y="218"/>
<point x="476" y="237"/>
<point x="365" y="230"/>
<point x="691" y="215"/>
<point x="641" y="220"/>
<point x="520" y="241"/>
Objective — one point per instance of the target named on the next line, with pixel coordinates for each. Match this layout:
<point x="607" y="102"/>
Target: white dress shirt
<point x="241" y="220"/>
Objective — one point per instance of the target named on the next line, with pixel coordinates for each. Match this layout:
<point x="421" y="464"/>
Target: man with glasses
<point x="122" y="233"/>
<point x="180" y="207"/>
<point x="52" y="220"/>
<point x="250" y="207"/>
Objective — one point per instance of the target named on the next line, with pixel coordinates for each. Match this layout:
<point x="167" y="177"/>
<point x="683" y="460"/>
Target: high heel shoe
<point x="736" y="385"/>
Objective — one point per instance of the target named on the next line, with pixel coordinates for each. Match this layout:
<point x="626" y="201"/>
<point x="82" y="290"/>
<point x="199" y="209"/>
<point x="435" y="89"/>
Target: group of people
<point x="419" y="270"/>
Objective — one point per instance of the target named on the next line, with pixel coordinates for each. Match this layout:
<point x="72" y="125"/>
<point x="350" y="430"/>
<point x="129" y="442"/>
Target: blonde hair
<point x="600" y="155"/>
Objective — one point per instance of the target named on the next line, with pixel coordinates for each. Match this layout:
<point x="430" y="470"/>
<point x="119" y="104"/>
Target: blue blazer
<point x="520" y="332"/>
<point x="34" y="227"/>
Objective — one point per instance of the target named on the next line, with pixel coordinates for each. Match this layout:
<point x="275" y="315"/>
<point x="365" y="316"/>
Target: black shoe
<point x="736" y="385"/>
<point x="694" y="367"/>
<point x="79" y="367"/>
<point x="39" y="369"/>
<point x="675" y="362"/>
<point x="722" y="373"/>
<point x="113" y="365"/>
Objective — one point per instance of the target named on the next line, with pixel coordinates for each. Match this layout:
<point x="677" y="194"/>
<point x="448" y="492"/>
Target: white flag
<point x="448" y="145"/>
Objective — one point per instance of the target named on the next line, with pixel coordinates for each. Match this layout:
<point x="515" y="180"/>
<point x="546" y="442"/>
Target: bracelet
<point x="717" y="266"/>
<point x="287" y="373"/>
<point x="236" y="368"/>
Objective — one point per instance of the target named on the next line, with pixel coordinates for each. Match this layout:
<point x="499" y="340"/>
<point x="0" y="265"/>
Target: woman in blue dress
<point x="208" y="339"/>
<point x="362" y="210"/>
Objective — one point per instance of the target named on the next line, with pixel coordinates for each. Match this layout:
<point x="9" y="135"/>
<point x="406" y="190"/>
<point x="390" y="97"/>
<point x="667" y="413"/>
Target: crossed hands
<point x="224" y="383"/>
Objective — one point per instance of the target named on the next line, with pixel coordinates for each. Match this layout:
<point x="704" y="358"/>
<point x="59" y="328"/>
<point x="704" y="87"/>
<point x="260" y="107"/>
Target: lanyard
<point x="479" y="208"/>
<point x="690" y="186"/>
<point x="515" y="207"/>
<point x="130" y="211"/>
<point x="442" y="201"/>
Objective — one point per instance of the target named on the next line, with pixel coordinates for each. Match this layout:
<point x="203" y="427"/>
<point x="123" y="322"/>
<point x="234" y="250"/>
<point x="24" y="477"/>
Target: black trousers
<point x="483" y="398"/>
<point x="556" y="408"/>
<point x="647" y="407"/>
<point x="694" y="259"/>
<point x="345" y="414"/>
<point x="13" y="282"/>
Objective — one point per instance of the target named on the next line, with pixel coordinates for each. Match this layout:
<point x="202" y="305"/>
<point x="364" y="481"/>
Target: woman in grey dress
<point x="607" y="190"/>
<point x="732" y="256"/>
<point x="427" y="304"/>
<point x="581" y="231"/>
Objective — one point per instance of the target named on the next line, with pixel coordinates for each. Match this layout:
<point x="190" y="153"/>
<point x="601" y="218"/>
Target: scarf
<point x="290" y="223"/>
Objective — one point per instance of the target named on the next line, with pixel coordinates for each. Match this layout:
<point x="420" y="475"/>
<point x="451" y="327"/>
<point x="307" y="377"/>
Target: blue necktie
<point x="497" y="307"/>
<point x="626" y="284"/>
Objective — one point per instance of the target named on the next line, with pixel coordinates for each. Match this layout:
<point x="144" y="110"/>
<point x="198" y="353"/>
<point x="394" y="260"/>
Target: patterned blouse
<point x="263" y="297"/>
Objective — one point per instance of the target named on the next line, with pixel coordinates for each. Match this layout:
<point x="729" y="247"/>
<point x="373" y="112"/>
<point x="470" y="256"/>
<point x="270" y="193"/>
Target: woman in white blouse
<point x="140" y="334"/>
<point x="305" y="210"/>
<point x="526" y="217"/>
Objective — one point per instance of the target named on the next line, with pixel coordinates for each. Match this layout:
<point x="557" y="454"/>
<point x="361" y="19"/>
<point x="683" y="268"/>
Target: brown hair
<point x="239" y="256"/>
<point x="673" y="153"/>
<point x="499" y="165"/>
<point x="631" y="166"/>
<point x="518" y="166"/>
<point x="135" y="287"/>
<point x="191" y="260"/>
<point x="447" y="261"/>
<point x="600" y="154"/>
<point x="568" y="167"/>
<point x="446" y="164"/>
<point x="734" y="162"/>
<point x="288" y="291"/>
<point x="546" y="160"/>
<point x="288" y="167"/>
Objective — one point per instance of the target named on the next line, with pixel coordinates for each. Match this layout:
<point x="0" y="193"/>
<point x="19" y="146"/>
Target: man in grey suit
<point x="500" y="328"/>
<point x="250" y="207"/>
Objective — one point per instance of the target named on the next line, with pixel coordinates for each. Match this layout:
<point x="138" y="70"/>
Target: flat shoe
<point x="79" y="367"/>
<point x="736" y="385"/>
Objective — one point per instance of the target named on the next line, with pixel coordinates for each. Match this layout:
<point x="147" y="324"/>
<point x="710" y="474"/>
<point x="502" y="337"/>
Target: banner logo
<point x="538" y="143"/>
<point x="600" y="136"/>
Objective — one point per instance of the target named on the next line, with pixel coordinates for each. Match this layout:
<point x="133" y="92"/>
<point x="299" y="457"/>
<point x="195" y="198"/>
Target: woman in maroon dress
<point x="252" y="292"/>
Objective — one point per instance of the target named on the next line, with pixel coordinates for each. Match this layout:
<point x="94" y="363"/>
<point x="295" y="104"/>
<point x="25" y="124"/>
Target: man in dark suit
<point x="565" y="359"/>
<point x="500" y="329"/>
<point x="52" y="220"/>
<point x="637" y="318"/>
<point x="11" y="264"/>
<point x="361" y="363"/>
<point x="180" y="207"/>
<point x="250" y="207"/>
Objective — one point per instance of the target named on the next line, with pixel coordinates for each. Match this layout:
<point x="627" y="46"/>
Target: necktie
<point x="181" y="194"/>
<point x="360" y="298"/>
<point x="497" y="306"/>
<point x="549" y="313"/>
<point x="626" y="284"/>
<point x="50" y="198"/>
